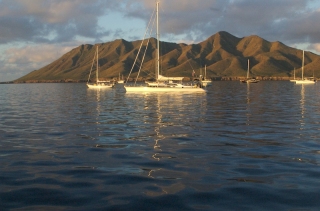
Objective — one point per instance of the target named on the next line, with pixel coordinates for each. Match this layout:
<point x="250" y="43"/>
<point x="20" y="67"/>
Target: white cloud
<point x="35" y="54"/>
<point x="19" y="61"/>
<point x="315" y="47"/>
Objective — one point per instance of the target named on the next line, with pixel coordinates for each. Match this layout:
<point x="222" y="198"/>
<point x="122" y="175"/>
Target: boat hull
<point x="206" y="83"/>
<point x="304" y="82"/>
<point x="99" y="86"/>
<point x="250" y="81"/>
<point x="163" y="89"/>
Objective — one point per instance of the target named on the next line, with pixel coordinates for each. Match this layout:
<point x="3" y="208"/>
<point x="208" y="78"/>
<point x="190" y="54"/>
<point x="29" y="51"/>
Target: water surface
<point x="236" y="147"/>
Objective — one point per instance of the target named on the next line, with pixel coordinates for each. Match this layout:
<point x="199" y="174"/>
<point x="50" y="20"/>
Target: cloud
<point x="19" y="61"/>
<point x="51" y="21"/>
<point x="315" y="47"/>
<point x="288" y="21"/>
<point x="65" y="20"/>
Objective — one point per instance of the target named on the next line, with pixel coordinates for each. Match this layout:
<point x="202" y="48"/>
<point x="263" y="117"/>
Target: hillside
<point x="224" y="54"/>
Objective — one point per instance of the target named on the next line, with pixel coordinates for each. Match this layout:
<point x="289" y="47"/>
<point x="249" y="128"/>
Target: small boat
<point x="120" y="80"/>
<point x="309" y="80"/>
<point x="249" y="80"/>
<point x="205" y="81"/>
<point x="294" y="75"/>
<point x="98" y="84"/>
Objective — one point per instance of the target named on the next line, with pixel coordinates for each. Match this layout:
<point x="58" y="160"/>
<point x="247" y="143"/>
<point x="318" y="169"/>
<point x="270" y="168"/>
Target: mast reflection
<point x="168" y="116"/>
<point x="302" y="107"/>
<point x="248" y="105"/>
<point x="95" y="94"/>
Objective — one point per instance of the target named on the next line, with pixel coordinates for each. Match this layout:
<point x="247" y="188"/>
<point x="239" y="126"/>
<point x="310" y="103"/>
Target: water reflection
<point x="302" y="107"/>
<point x="194" y="151"/>
<point x="171" y="118"/>
<point x="95" y="94"/>
<point x="248" y="114"/>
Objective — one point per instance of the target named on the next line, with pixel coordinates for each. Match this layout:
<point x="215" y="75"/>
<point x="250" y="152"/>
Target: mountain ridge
<point x="224" y="54"/>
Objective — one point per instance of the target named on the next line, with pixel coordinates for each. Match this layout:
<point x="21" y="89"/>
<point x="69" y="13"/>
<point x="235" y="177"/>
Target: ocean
<point x="237" y="147"/>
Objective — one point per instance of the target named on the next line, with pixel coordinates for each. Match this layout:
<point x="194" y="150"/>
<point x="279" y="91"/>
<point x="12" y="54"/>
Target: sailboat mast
<point x="205" y="71"/>
<point x="97" y="64"/>
<point x="248" y="68"/>
<point x="302" y="63"/>
<point x="158" y="44"/>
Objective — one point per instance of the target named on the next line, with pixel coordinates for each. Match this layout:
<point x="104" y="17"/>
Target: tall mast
<point x="97" y="64"/>
<point x="248" y="69"/>
<point x="302" y="63"/>
<point x="205" y="71"/>
<point x="158" y="44"/>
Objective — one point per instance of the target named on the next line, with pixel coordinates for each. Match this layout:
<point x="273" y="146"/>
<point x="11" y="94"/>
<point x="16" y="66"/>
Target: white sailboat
<point x="294" y="75"/>
<point x="304" y="80"/>
<point x="205" y="81"/>
<point x="98" y="84"/>
<point x="162" y="83"/>
<point x="120" y="80"/>
<point x="249" y="80"/>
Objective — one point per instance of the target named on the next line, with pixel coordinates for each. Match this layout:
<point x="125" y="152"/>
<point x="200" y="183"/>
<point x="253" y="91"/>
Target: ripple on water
<point x="237" y="147"/>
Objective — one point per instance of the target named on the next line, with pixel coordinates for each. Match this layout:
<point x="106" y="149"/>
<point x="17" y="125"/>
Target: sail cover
<point x="163" y="78"/>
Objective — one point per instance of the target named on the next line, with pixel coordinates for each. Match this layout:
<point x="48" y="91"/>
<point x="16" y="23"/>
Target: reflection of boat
<point x="162" y="83"/>
<point x="249" y="80"/>
<point x="294" y="75"/>
<point x="98" y="84"/>
<point x="304" y="80"/>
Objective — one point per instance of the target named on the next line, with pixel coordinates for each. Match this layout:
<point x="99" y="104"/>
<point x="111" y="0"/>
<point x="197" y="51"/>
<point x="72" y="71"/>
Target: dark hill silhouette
<point x="224" y="55"/>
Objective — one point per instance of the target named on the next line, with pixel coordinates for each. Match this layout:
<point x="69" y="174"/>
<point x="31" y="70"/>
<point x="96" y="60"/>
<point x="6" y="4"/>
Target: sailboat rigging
<point x="98" y="84"/>
<point x="162" y="83"/>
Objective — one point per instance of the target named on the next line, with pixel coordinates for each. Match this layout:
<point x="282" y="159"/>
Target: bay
<point x="236" y="147"/>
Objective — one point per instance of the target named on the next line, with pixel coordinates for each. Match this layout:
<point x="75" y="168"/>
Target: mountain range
<point x="223" y="54"/>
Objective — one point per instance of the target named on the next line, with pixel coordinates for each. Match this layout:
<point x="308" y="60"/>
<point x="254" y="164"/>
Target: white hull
<point x="99" y="86"/>
<point x="206" y="83"/>
<point x="250" y="81"/>
<point x="120" y="81"/>
<point x="304" y="82"/>
<point x="163" y="89"/>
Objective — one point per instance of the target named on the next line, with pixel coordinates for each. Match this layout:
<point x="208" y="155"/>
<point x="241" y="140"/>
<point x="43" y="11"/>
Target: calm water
<point x="238" y="147"/>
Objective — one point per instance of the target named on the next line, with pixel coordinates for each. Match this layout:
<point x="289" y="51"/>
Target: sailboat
<point x="304" y="80"/>
<point x="249" y="80"/>
<point x="98" y="84"/>
<point x="120" y="80"/>
<point x="294" y="75"/>
<point x="205" y="81"/>
<point x="162" y="83"/>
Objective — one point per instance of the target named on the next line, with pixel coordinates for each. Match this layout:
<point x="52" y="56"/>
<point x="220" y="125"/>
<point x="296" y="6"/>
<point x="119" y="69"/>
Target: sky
<point x="34" y="33"/>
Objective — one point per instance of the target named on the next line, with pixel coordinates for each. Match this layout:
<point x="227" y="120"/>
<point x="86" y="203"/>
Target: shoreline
<point x="143" y="79"/>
